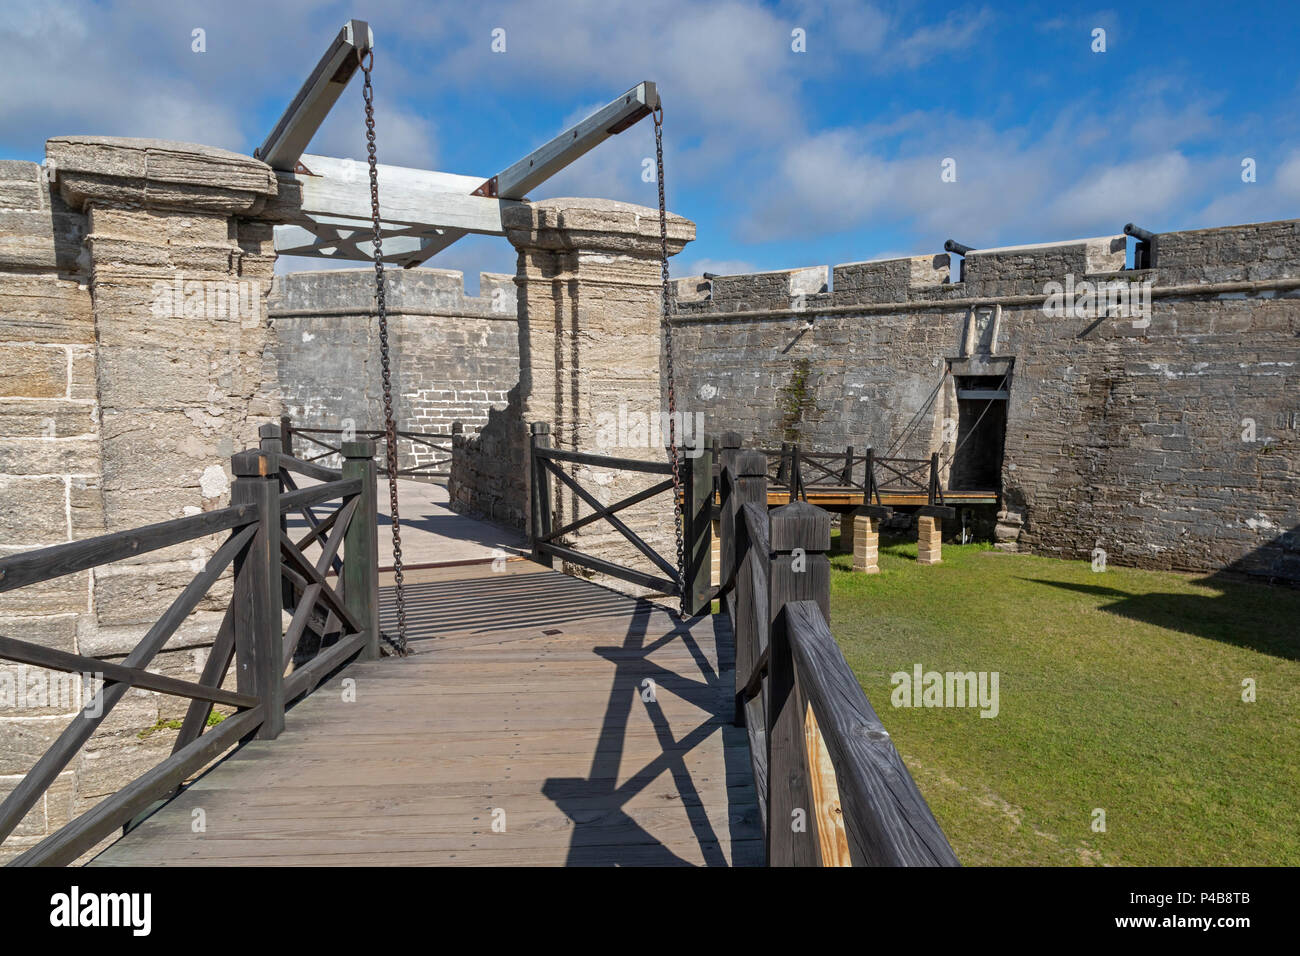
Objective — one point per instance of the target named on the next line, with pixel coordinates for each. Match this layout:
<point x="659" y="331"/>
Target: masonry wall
<point x="454" y="356"/>
<point x="133" y="346"/>
<point x="1122" y="434"/>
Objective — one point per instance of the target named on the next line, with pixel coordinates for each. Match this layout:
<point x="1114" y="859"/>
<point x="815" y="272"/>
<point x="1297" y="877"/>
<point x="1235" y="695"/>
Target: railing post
<point x="286" y="435"/>
<point x="259" y="645"/>
<point x="539" y="523"/>
<point x="361" y="544"/>
<point x="796" y="474"/>
<point x="800" y="537"/>
<point x="727" y="506"/>
<point x="750" y="628"/>
<point x="698" y="512"/>
<point x="848" y="467"/>
<point x="869" y="483"/>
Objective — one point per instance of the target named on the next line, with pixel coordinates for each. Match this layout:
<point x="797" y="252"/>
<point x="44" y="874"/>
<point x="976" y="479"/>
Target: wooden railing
<point x="798" y="470"/>
<point x="321" y="443"/>
<point x="271" y="572"/>
<point x="548" y="541"/>
<point x="832" y="788"/>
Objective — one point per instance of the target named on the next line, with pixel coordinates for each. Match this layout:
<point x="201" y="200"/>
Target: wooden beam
<point x="515" y="181"/>
<point x="295" y="129"/>
<point x="541" y="164"/>
<point x="422" y="200"/>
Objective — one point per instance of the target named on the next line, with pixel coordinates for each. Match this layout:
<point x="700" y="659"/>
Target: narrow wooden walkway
<point x="524" y="706"/>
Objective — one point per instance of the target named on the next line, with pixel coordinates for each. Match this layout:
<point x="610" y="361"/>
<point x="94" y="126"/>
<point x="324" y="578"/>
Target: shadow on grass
<point x="1246" y="614"/>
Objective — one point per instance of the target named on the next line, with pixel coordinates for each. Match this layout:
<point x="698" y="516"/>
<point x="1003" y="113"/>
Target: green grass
<point x="1119" y="690"/>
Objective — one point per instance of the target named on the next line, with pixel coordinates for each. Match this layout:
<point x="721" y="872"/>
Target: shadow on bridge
<point x="599" y="799"/>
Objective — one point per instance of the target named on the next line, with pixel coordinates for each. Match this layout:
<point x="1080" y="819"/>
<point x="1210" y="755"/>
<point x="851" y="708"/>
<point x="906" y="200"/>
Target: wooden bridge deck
<point x="523" y="704"/>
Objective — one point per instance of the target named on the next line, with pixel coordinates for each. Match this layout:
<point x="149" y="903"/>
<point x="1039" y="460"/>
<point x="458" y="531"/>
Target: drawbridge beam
<point x="422" y="212"/>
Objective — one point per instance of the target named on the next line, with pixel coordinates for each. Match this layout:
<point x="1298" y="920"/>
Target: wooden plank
<point x="552" y="728"/>
<point x="51" y="763"/>
<point x="256" y="598"/>
<point x="422" y="201"/>
<point x="887" y="821"/>
<point x="42" y="564"/>
<point x="606" y="461"/>
<point x="832" y="840"/>
<point x="308" y="109"/>
<point x="66" y="844"/>
<point x="318" y="494"/>
<point x="23" y="652"/>
<point x="541" y="164"/>
<point x="660" y="585"/>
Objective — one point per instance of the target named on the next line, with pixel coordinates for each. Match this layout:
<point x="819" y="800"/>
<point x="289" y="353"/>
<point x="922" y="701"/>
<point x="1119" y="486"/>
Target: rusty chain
<point x="658" y="116"/>
<point x="366" y="62"/>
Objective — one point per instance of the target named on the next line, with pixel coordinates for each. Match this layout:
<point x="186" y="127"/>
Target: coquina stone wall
<point x="454" y="356"/>
<point x="134" y="361"/>
<point x="1167" y="440"/>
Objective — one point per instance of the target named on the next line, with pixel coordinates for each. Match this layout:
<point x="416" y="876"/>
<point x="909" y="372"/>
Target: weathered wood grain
<point x="555" y="729"/>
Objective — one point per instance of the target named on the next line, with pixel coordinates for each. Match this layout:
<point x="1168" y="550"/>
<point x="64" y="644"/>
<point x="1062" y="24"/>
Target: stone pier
<point x="929" y="539"/>
<point x="589" y="292"/>
<point x="864" y="540"/>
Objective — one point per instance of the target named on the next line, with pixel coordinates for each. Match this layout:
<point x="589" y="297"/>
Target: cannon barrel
<point x="1137" y="232"/>
<point x="953" y="245"/>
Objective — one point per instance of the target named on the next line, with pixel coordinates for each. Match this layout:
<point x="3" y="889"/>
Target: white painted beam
<point x="303" y="118"/>
<point x="541" y="164"/>
<point x="411" y="201"/>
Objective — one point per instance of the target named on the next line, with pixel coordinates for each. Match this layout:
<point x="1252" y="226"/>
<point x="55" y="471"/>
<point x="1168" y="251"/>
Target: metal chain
<point x="658" y="116"/>
<point x="366" y="61"/>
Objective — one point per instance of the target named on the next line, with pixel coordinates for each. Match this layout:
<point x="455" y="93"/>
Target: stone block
<point x="33" y="371"/>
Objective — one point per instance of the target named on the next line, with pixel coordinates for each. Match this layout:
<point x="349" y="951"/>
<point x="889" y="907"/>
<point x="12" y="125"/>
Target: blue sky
<point x="783" y="159"/>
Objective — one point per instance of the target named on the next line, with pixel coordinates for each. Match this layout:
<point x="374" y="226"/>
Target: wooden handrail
<point x="251" y="627"/>
<point x="831" y="788"/>
<point x="887" y="820"/>
<point x="547" y="542"/>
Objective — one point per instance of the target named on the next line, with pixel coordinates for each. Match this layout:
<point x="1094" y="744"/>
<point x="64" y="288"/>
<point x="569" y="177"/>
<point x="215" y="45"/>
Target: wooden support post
<point x="256" y="600"/>
<point x="750" y="469"/>
<point x="271" y="443"/>
<point x="361" y="544"/>
<point x="727" y="507"/>
<point x="286" y="435"/>
<point x="796" y="473"/>
<point x="847" y="477"/>
<point x="800" y="538"/>
<point x="697" y="528"/>
<point x="540" y="499"/>
<point x="934" y="479"/>
<point x="869" y="483"/>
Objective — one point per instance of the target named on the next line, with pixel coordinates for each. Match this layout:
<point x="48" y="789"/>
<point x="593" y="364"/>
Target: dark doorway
<point x="981" y="430"/>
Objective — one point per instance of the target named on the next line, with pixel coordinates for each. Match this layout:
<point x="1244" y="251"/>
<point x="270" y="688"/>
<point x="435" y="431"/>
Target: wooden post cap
<point x="253" y="464"/>
<point x="362" y="448"/>
<point x="800" y="525"/>
<point x="750" y="464"/>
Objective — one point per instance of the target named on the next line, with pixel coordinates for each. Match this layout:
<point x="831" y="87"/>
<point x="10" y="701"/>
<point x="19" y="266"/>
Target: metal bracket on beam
<point x="285" y="146"/>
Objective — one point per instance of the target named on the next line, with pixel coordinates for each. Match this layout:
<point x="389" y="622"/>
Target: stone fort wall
<point x="454" y="356"/>
<point x="1168" y="441"/>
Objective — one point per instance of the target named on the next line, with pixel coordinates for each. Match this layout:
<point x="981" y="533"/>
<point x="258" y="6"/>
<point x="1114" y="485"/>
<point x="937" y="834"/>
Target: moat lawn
<point x="1119" y="690"/>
